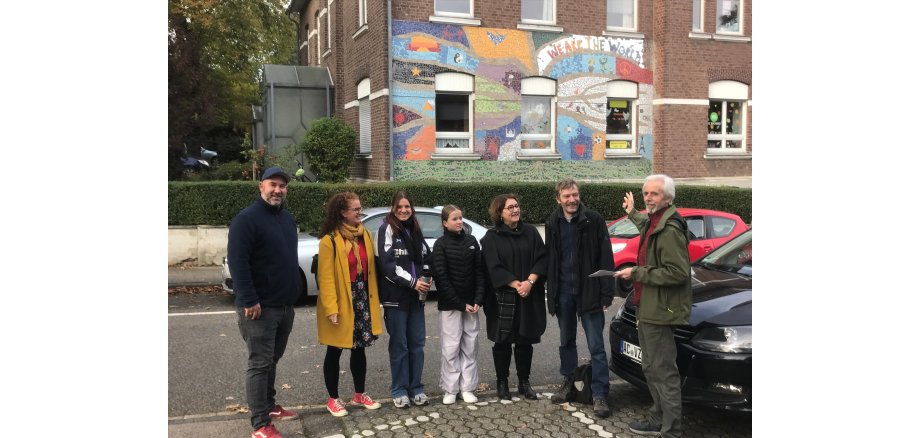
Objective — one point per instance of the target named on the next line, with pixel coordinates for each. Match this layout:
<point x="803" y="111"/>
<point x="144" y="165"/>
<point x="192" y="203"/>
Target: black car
<point x="714" y="351"/>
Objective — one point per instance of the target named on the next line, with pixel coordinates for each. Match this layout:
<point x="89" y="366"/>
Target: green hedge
<point x="215" y="203"/>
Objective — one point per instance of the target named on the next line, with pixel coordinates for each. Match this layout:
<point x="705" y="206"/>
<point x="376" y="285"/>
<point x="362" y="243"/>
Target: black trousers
<point x="523" y="358"/>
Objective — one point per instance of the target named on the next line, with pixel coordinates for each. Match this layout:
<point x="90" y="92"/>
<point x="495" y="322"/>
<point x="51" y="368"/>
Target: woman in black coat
<point x="515" y="307"/>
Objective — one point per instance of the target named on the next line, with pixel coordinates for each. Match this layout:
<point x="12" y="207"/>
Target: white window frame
<point x="552" y="20"/>
<point x="539" y="86"/>
<point x="328" y="30"/>
<point x="454" y="14"/>
<point x="740" y="18"/>
<point x="319" y="38"/>
<point x="362" y="13"/>
<point x="364" y="123"/>
<point x="700" y="15"/>
<point x="728" y="91"/>
<point x="622" y="90"/>
<point x="460" y="84"/>
<point x="633" y="28"/>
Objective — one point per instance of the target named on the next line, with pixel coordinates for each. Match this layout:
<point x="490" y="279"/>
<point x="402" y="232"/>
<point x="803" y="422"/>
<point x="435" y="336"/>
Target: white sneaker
<point x="449" y="399"/>
<point x="469" y="397"/>
<point x="401" y="402"/>
<point x="420" y="399"/>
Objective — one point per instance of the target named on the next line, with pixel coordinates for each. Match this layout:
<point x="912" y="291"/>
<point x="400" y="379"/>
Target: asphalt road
<point x="207" y="358"/>
<point x="207" y="365"/>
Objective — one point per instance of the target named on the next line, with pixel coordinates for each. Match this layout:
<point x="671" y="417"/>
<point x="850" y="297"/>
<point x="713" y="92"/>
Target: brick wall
<point x="683" y="69"/>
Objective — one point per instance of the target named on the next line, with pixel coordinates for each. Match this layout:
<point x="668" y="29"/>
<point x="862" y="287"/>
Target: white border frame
<point x="635" y="26"/>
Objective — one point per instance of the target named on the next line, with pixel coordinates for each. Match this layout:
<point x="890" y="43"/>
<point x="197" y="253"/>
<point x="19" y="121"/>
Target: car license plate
<point x="631" y="351"/>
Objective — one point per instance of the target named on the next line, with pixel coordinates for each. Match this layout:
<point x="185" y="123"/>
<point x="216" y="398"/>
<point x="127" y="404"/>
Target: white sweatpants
<point x="459" y="349"/>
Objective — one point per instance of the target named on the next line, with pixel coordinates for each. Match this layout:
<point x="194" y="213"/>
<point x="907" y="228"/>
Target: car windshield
<point x="623" y="229"/>
<point x="734" y="256"/>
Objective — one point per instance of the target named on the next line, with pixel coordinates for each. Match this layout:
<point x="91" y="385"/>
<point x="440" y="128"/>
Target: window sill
<point x="546" y="156"/>
<point x="734" y="38"/>
<point x="363" y="156"/>
<point x="327" y="53"/>
<point x="726" y="156"/>
<point x="624" y="34"/>
<point x="455" y="20"/>
<point x="700" y="36"/>
<point x="360" y="31"/>
<point x="627" y="156"/>
<point x="540" y="27"/>
<point x="455" y="156"/>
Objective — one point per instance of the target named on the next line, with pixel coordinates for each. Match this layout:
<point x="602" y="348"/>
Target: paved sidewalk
<point x="488" y="417"/>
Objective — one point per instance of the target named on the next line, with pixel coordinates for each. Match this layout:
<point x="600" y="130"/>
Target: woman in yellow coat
<point x="348" y="307"/>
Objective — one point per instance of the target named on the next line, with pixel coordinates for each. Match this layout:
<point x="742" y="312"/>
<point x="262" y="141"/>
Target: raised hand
<point x="628" y="202"/>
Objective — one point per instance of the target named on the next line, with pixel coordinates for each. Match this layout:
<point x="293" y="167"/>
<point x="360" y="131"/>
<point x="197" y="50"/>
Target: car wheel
<point x="624" y="287"/>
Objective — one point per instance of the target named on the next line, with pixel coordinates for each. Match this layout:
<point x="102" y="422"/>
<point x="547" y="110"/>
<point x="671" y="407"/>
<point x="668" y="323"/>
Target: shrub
<point x="330" y="148"/>
<point x="215" y="203"/>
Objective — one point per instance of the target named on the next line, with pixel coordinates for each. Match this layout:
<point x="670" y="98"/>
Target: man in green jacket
<point x="662" y="291"/>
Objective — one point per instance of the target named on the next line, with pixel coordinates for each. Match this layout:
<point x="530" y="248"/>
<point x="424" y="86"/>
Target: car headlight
<point x="617" y="247"/>
<point x="736" y="339"/>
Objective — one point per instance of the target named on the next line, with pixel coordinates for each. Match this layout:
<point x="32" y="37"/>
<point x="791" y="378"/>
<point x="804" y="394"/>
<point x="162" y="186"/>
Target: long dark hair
<point x="335" y="205"/>
<point x="415" y="234"/>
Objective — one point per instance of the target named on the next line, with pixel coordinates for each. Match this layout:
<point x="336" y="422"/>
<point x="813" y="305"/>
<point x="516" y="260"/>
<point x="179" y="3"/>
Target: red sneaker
<point x="336" y="407"/>
<point x="267" y="432"/>
<point x="362" y="399"/>
<point x="279" y="413"/>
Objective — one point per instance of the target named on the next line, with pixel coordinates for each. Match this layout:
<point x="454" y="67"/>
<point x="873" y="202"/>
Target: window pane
<point x="733" y="119"/>
<point x="714" y="144"/>
<point x="452" y="112"/>
<point x="721" y="226"/>
<point x="535" y="115"/>
<point x="620" y="13"/>
<point x="727" y="15"/>
<point x="715" y="117"/>
<point x="430" y="225"/>
<point x="695" y="225"/>
<point x="732" y="144"/>
<point x="618" y="116"/>
<point x="537" y="144"/>
<point x="697" y="18"/>
<point x="364" y="120"/>
<point x="541" y="10"/>
<point x="455" y="6"/>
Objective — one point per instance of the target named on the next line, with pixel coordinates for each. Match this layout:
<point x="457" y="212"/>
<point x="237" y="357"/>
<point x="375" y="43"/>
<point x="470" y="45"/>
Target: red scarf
<point x="653" y="220"/>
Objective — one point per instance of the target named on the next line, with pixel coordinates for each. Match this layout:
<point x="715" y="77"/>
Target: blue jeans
<point x="266" y="339"/>
<point x="593" y="323"/>
<point x="406" y="327"/>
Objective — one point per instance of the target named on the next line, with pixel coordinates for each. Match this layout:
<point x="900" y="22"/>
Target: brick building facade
<point x="462" y="90"/>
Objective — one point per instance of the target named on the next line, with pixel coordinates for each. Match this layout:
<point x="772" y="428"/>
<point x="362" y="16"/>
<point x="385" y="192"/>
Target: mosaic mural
<point x="499" y="59"/>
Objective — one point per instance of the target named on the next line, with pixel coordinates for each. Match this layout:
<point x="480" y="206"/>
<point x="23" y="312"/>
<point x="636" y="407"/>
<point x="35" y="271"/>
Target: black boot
<point x="566" y="393"/>
<point x="526" y="390"/>
<point x="503" y="392"/>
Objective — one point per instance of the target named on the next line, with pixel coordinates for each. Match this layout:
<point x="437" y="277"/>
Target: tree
<point x="330" y="148"/>
<point x="216" y="52"/>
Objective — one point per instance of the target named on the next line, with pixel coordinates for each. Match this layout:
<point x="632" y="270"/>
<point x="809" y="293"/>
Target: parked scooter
<point x="193" y="163"/>
<point x="209" y="156"/>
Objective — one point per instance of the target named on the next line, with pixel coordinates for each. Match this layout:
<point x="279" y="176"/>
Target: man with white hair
<point x="661" y="281"/>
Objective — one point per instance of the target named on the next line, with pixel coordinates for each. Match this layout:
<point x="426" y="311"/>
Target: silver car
<point x="429" y="220"/>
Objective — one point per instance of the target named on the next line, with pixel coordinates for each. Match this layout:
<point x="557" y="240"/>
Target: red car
<point x="708" y="229"/>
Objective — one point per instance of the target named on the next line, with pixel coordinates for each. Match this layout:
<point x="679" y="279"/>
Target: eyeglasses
<point x="356" y="209"/>
<point x="513" y="207"/>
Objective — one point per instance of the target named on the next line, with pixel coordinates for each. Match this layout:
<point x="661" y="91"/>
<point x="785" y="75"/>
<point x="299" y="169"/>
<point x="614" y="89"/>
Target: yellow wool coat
<point x="335" y="292"/>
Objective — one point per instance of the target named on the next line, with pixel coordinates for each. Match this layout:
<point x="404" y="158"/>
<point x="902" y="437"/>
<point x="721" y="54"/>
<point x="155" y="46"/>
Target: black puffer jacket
<point x="458" y="271"/>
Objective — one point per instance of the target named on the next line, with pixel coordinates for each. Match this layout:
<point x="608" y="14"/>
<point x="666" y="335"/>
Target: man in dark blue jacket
<point x="262" y="256"/>
<point x="578" y="244"/>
